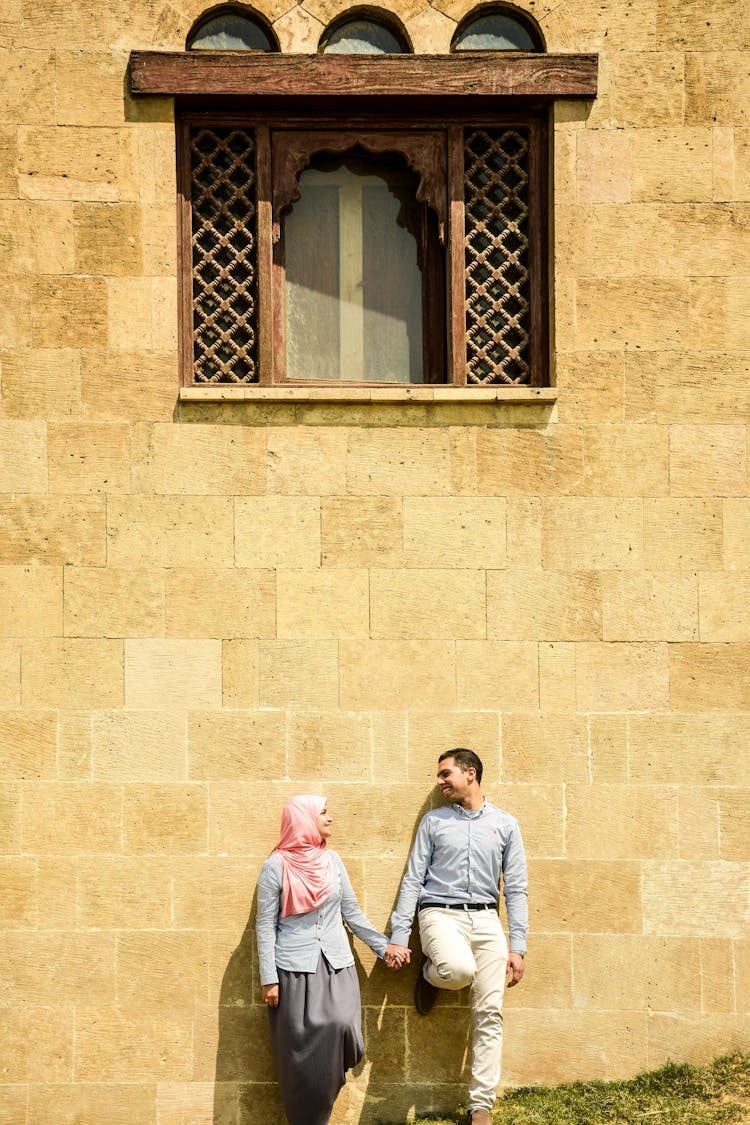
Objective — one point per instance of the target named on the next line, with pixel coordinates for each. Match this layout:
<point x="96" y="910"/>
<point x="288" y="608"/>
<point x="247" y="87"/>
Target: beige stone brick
<point x="701" y="239"/>
<point x="199" y="1102"/>
<point x="198" y="460"/>
<point x="277" y="530"/>
<point x="68" y="312"/>
<point x="220" y="603"/>
<point x="37" y="238"/>
<point x="115" y="1104"/>
<point x="695" y="1038"/>
<point x="724" y="606"/>
<point x="116" y="1046"/>
<point x="88" y="458"/>
<point x="396" y="675"/>
<point x="108" y="238"/>
<point x="323" y="603"/>
<point x="399" y="461"/>
<point x="125" y="385"/>
<point x="28" y="745"/>
<point x="28" y="83"/>
<point x="672" y="165"/>
<point x="736" y="523"/>
<point x="52" y="530"/>
<point x="608" y="747"/>
<point x="742" y="970"/>
<point x="557" y="677"/>
<point x="708" y="329"/>
<point x="591" y="387"/>
<point x="682" y="534"/>
<point x="89" y="89"/>
<point x="547" y="748"/>
<point x="13" y="1101"/>
<point x="653" y="974"/>
<point x="737" y="313"/>
<point x="708" y="899"/>
<point x="58" y="970"/>
<point x="37" y="1046"/>
<point x="165" y="819"/>
<point x="640" y="386"/>
<point x="113" y="602"/>
<point x="625" y="461"/>
<point x="432" y="734"/>
<point x="691" y="749"/>
<point x="213" y="893"/>
<point x="74" y="745"/>
<point x="592" y="534"/>
<point x="323" y="745"/>
<point x="18" y="905"/>
<point x="172" y="674"/>
<point x="9" y="158"/>
<point x="428" y="603"/>
<point x="372" y="827"/>
<point x="66" y="818"/>
<point x="585" y="896"/>
<point x="648" y="88"/>
<point x="707" y="388"/>
<point x="56" y="883"/>
<point x="649" y="607"/>
<point x="455" y="531"/>
<point x="621" y="822"/>
<point x="539" y="811"/>
<point x="622" y="677"/>
<point x="130" y="302"/>
<point x="10" y="819"/>
<point x="362" y="531"/>
<point x="232" y="831"/>
<point x="708" y="461"/>
<point x="529" y="462"/>
<point x="240" y="661"/>
<point x="641" y="313"/>
<point x="169" y="531"/>
<point x="497" y="676"/>
<point x="30" y="601"/>
<point x="159" y="243"/>
<point x="699" y="823"/>
<point x="524" y="532"/>
<point x="162" y="973"/>
<point x="734" y="824"/>
<point x="547" y="605"/>
<point x="709" y="677"/>
<point x="716" y="88"/>
<point x="141" y="746"/>
<point x="717" y="975"/>
<point x="233" y="1044"/>
<point x="598" y="240"/>
<point x="125" y="893"/>
<point x="70" y="163"/>
<point x="307" y="461"/>
<point x="299" y="674"/>
<point x="15" y="318"/>
<point x="72" y="673"/>
<point x="40" y="384"/>
<point x="603" y="166"/>
<point x="242" y="745"/>
<point x="10" y="673"/>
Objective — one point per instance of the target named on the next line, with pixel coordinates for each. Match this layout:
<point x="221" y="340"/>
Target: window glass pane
<point x="231" y="32"/>
<point x="363" y="37"/>
<point x="495" y="31"/>
<point x="354" y="290"/>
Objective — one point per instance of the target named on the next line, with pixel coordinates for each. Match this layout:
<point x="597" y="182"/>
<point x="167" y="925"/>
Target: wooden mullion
<point x="538" y="242"/>
<point x="456" y="287"/>
<point x="264" y="251"/>
<point x="184" y="254"/>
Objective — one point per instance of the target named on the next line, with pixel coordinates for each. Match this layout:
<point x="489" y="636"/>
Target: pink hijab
<point x="307" y="872"/>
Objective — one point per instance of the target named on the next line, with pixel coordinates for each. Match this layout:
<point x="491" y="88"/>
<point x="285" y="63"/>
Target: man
<point x="452" y="881"/>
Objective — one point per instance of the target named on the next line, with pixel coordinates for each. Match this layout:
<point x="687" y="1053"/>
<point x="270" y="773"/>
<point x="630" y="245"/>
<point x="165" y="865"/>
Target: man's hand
<point x="513" y="969"/>
<point x="396" y="956"/>
<point x="270" y="995"/>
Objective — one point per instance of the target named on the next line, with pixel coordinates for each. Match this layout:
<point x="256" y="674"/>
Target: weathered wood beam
<point x="245" y="74"/>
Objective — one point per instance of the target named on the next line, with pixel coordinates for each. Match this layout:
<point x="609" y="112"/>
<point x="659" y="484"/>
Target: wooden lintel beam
<point x="245" y="74"/>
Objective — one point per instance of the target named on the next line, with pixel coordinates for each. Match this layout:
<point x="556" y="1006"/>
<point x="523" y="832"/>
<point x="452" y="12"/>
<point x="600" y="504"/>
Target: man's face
<point x="454" y="783"/>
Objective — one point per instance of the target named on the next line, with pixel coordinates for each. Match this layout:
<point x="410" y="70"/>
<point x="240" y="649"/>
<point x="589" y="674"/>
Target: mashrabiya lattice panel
<point x="498" y="309"/>
<point x="224" y="250"/>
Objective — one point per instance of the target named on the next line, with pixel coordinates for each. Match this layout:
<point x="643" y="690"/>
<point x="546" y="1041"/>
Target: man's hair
<point x="464" y="759"/>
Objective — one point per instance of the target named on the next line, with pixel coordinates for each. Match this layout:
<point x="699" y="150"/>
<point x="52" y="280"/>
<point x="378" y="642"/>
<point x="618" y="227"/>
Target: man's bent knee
<point x="450" y="975"/>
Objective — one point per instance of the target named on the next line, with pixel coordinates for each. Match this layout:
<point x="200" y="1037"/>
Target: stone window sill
<point x="538" y="396"/>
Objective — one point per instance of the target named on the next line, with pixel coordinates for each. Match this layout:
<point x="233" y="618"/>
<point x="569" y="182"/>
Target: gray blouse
<point x="296" y="942"/>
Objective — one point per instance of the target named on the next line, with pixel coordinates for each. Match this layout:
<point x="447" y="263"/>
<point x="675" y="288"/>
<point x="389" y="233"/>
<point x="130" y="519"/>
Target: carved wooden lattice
<point x="224" y="249"/>
<point x="496" y="190"/>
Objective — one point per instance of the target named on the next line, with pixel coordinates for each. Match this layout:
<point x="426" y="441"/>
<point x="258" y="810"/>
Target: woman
<point x="307" y="974"/>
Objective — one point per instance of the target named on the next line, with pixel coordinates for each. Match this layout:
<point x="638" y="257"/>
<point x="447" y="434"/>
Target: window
<point x="231" y="29"/>
<point x="497" y="28"/>
<point x="362" y="34"/>
<point x="364" y="221"/>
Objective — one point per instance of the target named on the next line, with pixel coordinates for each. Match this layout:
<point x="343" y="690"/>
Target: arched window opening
<point x="497" y="29"/>
<point x="231" y="29"/>
<point x="362" y="33"/>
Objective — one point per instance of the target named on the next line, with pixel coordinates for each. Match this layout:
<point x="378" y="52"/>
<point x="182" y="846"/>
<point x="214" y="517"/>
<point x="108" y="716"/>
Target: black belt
<point x="457" y="905"/>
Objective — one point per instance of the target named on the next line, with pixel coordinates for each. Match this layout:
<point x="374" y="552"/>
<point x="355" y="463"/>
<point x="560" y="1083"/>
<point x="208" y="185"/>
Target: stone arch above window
<point x="231" y="29"/>
<point x="365" y="31"/>
<point x="498" y="27"/>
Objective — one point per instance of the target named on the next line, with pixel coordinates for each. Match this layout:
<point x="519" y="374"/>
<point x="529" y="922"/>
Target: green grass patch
<point x="677" y="1094"/>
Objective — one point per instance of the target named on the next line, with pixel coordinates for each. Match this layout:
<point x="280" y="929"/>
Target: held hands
<point x="513" y="969"/>
<point x="269" y="994"/>
<point x="396" y="956"/>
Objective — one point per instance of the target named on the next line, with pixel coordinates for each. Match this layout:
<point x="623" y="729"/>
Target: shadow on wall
<point x="410" y="1063"/>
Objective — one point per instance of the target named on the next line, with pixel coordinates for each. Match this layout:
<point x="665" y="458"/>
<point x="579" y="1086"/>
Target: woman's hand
<point x="270" y="995"/>
<point x="396" y="956"/>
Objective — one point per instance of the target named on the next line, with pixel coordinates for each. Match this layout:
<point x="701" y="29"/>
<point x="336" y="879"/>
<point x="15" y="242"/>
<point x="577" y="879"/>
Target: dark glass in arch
<point x="363" y="36"/>
<point x="496" y="30"/>
<point x="231" y="31"/>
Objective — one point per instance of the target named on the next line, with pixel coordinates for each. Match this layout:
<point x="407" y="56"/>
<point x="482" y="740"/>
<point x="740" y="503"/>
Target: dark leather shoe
<point x="424" y="992"/>
<point x="480" y="1117"/>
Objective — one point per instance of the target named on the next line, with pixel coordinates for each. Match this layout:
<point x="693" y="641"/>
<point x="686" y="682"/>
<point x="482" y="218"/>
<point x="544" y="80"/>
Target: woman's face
<point x="324" y="820"/>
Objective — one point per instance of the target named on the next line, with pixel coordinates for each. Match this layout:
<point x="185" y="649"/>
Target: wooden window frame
<point x="361" y="97"/>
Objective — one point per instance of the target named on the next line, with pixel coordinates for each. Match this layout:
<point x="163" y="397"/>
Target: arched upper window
<point x="361" y="33"/>
<point x="231" y="29"/>
<point x="497" y="29"/>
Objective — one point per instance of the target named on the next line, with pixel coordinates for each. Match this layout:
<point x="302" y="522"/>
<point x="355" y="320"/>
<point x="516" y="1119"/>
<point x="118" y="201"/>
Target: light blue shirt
<point x="460" y="856"/>
<point x="297" y="941"/>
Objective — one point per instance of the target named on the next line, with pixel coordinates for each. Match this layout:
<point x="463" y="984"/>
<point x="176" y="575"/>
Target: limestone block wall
<point x="205" y="609"/>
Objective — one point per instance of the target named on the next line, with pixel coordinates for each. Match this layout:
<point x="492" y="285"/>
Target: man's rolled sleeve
<point x="515" y="891"/>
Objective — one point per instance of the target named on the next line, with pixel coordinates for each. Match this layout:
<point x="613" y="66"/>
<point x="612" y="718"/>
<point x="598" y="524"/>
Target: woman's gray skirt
<point x="316" y="1036"/>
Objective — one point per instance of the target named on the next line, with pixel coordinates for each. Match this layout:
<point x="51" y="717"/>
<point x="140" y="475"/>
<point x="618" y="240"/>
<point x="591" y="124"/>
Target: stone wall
<point x="207" y="608"/>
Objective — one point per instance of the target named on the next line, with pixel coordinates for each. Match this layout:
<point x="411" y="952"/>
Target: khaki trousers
<point x="469" y="948"/>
